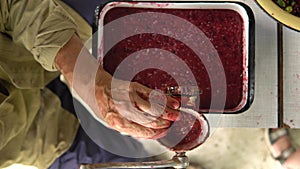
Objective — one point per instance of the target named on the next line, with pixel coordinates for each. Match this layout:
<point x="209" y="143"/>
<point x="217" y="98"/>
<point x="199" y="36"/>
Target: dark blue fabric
<point x="83" y="149"/>
<point x="3" y="90"/>
<point x="86" y="8"/>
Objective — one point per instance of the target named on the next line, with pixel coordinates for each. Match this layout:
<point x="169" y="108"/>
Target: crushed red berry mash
<point x="224" y="29"/>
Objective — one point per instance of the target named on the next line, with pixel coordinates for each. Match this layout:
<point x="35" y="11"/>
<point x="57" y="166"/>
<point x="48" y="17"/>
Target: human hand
<point x="125" y="106"/>
<point x="132" y="108"/>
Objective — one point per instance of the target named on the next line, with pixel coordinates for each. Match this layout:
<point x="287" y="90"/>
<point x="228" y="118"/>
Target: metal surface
<point x="280" y="74"/>
<point x="179" y="161"/>
<point x="291" y="81"/>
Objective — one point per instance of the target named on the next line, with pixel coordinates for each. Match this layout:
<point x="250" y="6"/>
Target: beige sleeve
<point x="42" y="26"/>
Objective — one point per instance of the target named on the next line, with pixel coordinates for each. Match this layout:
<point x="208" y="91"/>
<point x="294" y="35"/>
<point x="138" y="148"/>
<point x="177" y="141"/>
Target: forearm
<point x="66" y="58"/>
<point x="81" y="70"/>
<point x="66" y="62"/>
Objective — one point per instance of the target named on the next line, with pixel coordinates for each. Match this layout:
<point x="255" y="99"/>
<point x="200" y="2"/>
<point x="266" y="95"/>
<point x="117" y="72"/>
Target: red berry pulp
<point x="224" y="29"/>
<point x="187" y="133"/>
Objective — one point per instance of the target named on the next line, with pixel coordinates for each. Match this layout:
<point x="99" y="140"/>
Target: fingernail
<point x="175" y="104"/>
<point x="173" y="116"/>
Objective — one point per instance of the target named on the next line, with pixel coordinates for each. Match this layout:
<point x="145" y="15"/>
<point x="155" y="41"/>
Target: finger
<point x="158" y="97"/>
<point x="151" y="108"/>
<point x="120" y="124"/>
<point x="173" y="103"/>
<point x="155" y="109"/>
<point x="162" y="99"/>
<point x="132" y="112"/>
<point x="159" y="123"/>
<point x="140" y="89"/>
<point x="147" y="120"/>
<point x="170" y="114"/>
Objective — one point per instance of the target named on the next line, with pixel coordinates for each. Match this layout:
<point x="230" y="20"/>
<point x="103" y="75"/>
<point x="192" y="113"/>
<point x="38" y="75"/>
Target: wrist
<point x="66" y="57"/>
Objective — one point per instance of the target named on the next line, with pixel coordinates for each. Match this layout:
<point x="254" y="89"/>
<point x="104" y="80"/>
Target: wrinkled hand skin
<point x="124" y="106"/>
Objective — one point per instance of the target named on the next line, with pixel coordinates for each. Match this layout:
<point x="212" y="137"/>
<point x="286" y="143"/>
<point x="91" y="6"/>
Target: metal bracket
<point x="179" y="161"/>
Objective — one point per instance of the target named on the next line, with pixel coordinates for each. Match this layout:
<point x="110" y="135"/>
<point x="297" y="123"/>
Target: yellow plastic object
<point x="279" y="14"/>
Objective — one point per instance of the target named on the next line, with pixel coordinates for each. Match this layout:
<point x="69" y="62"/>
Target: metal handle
<point x="179" y="161"/>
